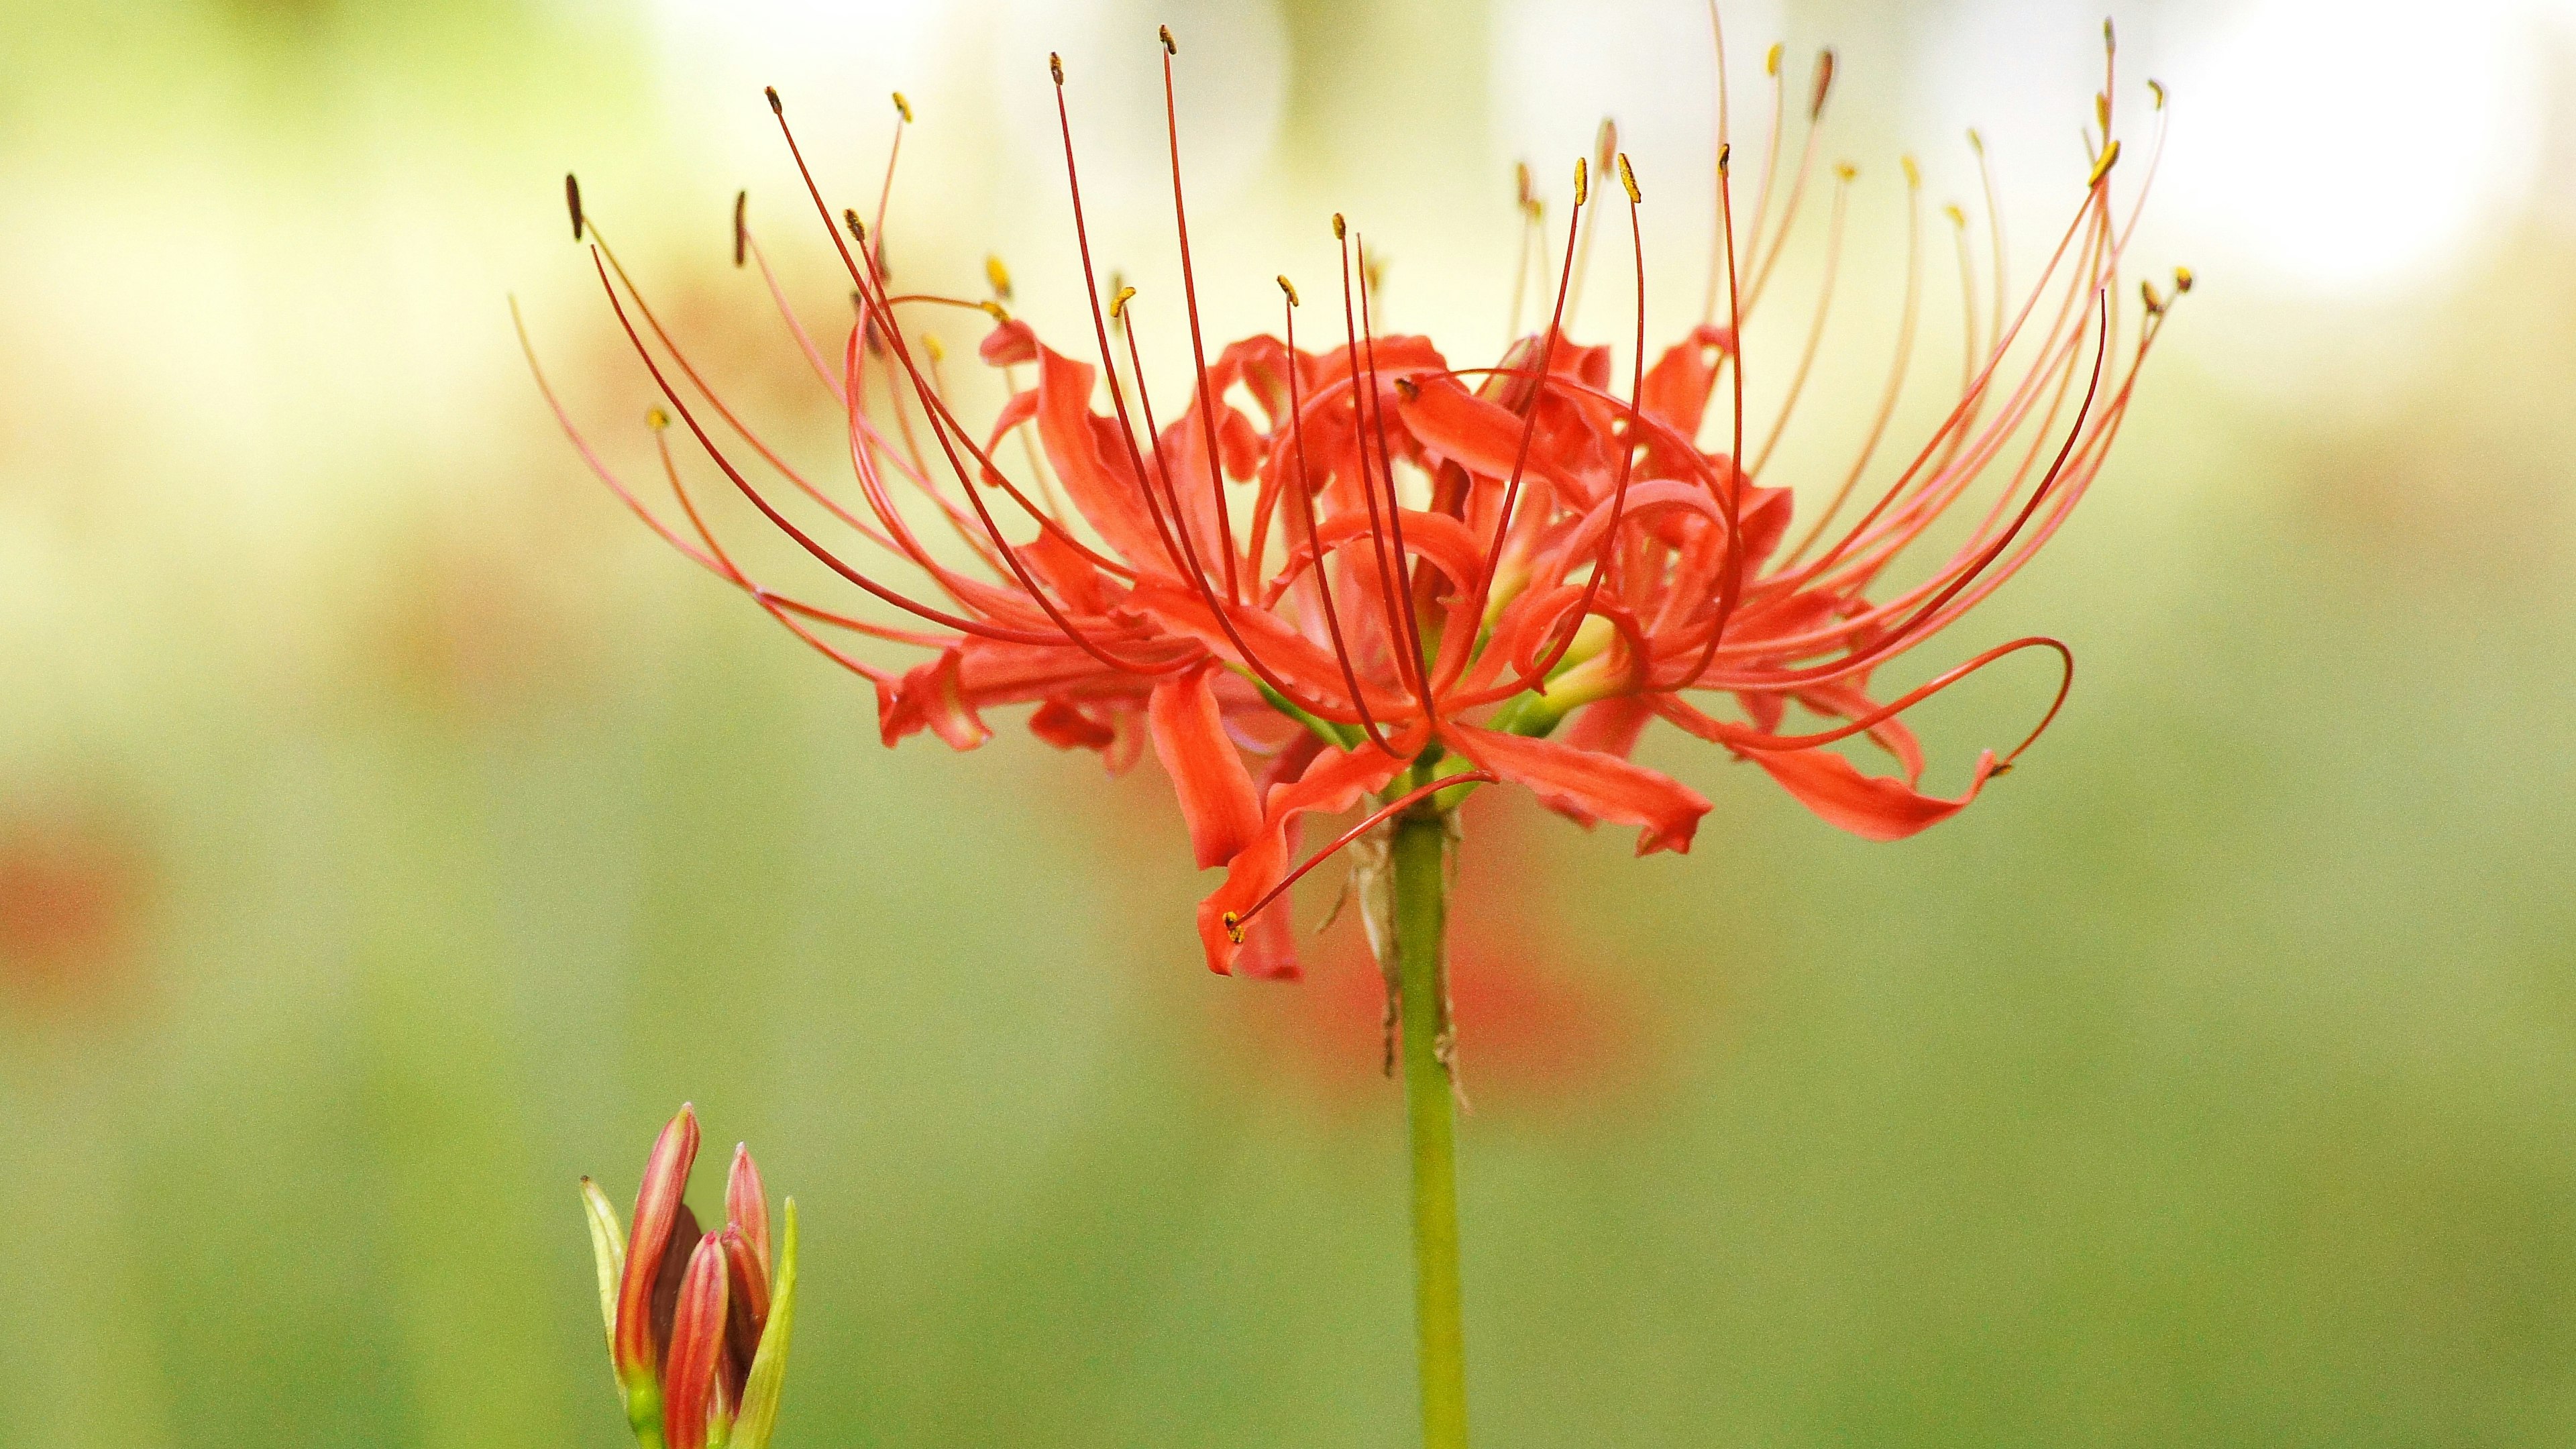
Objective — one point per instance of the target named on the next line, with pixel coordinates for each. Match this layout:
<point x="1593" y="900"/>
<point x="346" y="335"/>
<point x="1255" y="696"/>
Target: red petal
<point x="746" y="1310"/>
<point x="1061" y="724"/>
<point x="689" y="1391"/>
<point x="1846" y="699"/>
<point x="1872" y="807"/>
<point x="1587" y="783"/>
<point x="747" y="1203"/>
<point x="1610" y="727"/>
<point x="1090" y="457"/>
<point x="657" y="1206"/>
<point x="931" y="697"/>
<point x="1336" y="781"/>
<point x="1214" y="788"/>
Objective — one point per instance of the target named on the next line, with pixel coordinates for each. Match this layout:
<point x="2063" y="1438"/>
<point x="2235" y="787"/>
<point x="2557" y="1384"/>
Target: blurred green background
<point x="392" y="831"/>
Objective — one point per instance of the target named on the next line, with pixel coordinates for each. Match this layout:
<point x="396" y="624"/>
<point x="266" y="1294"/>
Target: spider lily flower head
<point x="1386" y="576"/>
<point x="697" y="1322"/>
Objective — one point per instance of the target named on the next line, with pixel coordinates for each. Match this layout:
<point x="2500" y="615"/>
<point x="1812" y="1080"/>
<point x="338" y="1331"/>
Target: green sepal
<point x="759" y="1412"/>
<point x="644" y="1411"/>
<point x="607" y="1248"/>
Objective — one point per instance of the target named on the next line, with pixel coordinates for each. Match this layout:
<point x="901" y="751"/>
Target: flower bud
<point x="697" y="1321"/>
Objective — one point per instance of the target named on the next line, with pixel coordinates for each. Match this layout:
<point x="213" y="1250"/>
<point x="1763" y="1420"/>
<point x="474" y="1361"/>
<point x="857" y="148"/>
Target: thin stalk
<point x="1420" y="868"/>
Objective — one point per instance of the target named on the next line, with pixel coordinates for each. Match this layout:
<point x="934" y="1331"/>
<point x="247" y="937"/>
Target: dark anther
<point x="572" y="200"/>
<point x="741" y="200"/>
<point x="776" y="108"/>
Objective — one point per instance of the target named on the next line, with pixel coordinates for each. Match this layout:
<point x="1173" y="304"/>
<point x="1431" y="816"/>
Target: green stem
<point x="1420" y="852"/>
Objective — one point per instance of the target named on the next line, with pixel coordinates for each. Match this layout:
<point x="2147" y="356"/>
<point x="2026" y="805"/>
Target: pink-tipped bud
<point x="747" y="1205"/>
<point x="692" y="1395"/>
<point x="747" y="1291"/>
<point x="657" y="1210"/>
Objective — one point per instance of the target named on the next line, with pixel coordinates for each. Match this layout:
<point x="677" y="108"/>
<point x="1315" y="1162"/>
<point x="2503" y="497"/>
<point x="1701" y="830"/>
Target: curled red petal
<point x="1214" y="788"/>
<point x="1584" y="782"/>
<point x="931" y="697"/>
<point x="1874" y="807"/>
<point x="1336" y="781"/>
<point x="1061" y="723"/>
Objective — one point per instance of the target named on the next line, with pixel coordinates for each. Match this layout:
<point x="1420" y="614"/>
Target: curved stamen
<point x="1314" y="541"/>
<point x="1207" y="402"/>
<point x="1816" y="330"/>
<point x="1896" y="373"/>
<point x="1404" y="570"/>
<point x="1406" y="657"/>
<point x="1542" y="379"/>
<point x="1629" y="445"/>
<point x="1236" y="921"/>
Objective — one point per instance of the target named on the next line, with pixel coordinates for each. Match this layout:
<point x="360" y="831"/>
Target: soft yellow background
<point x="2208" y="1083"/>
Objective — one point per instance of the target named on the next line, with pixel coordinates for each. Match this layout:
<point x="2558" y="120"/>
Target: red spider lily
<point x="1381" y="576"/>
<point x="697" y="1323"/>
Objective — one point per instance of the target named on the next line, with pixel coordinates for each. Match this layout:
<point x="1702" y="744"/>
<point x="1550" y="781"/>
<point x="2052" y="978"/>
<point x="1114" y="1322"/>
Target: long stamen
<point x="786" y="525"/>
<point x="1408" y="664"/>
<point x="1394" y="506"/>
<point x="1163" y="527"/>
<point x="1314" y="537"/>
<point x="1716" y="262"/>
<point x="1605" y="144"/>
<point x="1763" y="260"/>
<point x="1207" y="402"/>
<point x="1236" y="921"/>
<point x="1896" y="373"/>
<point x="1525" y="207"/>
<point x="1731" y="590"/>
<point x="1628" y="448"/>
<point x="1538" y="394"/>
<point x="1816" y="329"/>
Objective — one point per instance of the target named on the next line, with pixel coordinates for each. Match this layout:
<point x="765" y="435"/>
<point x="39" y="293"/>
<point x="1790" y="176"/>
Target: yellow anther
<point x="1055" y="66"/>
<point x="1340" y="229"/>
<point x="996" y="311"/>
<point x="1845" y="171"/>
<point x="903" y="107"/>
<point x="2155" y="304"/>
<point x="2102" y="167"/>
<point x="1288" y="287"/>
<point x="2102" y="109"/>
<point x="2182" y="279"/>
<point x="1824" y="84"/>
<point x="1628" y="178"/>
<point x="656" y="419"/>
<point x="1521" y="182"/>
<point x="1373" y="271"/>
<point x="1771" y="62"/>
<point x="2157" y="88"/>
<point x="1582" y="181"/>
<point x="1913" y="173"/>
<point x="930" y="344"/>
<point x="1234" y="927"/>
<point x="1724" y="153"/>
<point x="998" y="275"/>
<point x="1976" y="142"/>
<point x="1118" y="306"/>
<point x="1168" y="47"/>
<point x="1958" y="218"/>
<point x="1407" y="389"/>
